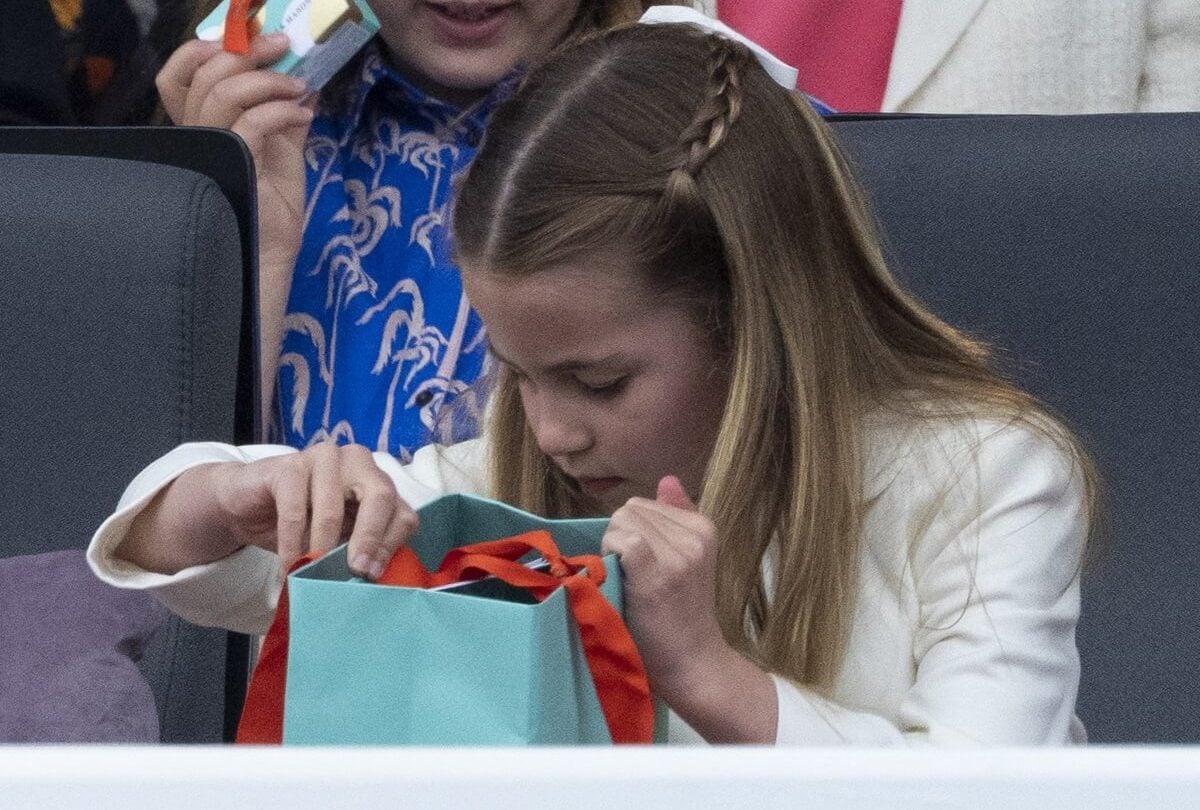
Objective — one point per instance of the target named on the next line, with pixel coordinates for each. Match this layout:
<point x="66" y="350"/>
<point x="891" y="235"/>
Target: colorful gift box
<point x="324" y="34"/>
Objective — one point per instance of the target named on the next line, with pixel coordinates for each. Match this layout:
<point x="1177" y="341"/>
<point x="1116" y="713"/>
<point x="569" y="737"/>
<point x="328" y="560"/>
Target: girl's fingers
<point x="175" y="78"/>
<point x="374" y="516"/>
<point x="268" y="48"/>
<point x="678" y="529"/>
<point x="291" y="512"/>
<point x="384" y="521"/>
<point x="327" y="495"/>
<point x="630" y="542"/>
<point x="658" y="541"/>
<point x="255" y="125"/>
<point x="622" y="543"/>
<point x="672" y="493"/>
<point x="674" y="547"/>
<point x="315" y="499"/>
<point x="675" y="525"/>
<point x="223" y="65"/>
<point x="369" y="553"/>
<point x="229" y="99"/>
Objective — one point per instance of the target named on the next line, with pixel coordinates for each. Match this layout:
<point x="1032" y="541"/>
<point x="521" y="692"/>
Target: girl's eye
<point x="610" y="387"/>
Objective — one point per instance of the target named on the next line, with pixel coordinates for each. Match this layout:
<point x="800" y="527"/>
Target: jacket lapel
<point x="928" y="30"/>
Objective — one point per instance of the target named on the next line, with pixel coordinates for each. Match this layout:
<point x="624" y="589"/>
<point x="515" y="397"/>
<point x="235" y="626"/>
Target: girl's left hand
<point x="668" y="552"/>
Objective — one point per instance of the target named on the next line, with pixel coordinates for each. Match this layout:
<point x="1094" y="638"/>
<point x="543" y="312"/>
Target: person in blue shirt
<point x="367" y="337"/>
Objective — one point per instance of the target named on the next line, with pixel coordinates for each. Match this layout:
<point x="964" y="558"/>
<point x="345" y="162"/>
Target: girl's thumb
<point x="672" y="493"/>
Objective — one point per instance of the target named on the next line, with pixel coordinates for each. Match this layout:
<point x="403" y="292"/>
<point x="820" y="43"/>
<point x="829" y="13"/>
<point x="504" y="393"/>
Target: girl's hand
<point x="203" y="85"/>
<point x="668" y="552"/>
<point x="312" y="501"/>
<point x="291" y="504"/>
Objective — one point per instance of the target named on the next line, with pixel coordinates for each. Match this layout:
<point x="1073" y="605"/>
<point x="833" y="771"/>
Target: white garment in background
<point x="1052" y="57"/>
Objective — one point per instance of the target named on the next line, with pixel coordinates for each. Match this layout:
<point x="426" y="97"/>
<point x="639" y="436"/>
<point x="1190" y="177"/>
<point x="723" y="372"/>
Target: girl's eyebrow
<point x="566" y="366"/>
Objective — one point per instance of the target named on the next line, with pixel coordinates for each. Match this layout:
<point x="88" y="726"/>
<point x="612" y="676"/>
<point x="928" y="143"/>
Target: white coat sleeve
<point x="996" y="577"/>
<point x="239" y="592"/>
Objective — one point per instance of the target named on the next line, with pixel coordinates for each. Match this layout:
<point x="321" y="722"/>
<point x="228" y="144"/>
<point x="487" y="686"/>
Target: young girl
<point x="836" y="524"/>
<point x="363" y="321"/>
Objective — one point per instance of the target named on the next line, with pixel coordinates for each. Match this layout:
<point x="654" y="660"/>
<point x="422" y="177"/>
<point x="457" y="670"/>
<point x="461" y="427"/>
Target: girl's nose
<point x="560" y="431"/>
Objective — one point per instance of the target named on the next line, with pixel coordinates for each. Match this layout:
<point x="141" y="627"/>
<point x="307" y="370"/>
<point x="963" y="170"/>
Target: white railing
<point x="133" y="777"/>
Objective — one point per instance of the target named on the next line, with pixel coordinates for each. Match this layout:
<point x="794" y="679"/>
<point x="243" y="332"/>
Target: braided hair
<point x="714" y="118"/>
<point x="674" y="150"/>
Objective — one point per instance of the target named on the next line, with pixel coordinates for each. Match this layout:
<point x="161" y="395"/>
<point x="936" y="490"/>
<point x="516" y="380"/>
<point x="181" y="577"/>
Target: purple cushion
<point x="68" y="651"/>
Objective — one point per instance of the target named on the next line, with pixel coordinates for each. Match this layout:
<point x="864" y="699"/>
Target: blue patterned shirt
<point x="378" y="337"/>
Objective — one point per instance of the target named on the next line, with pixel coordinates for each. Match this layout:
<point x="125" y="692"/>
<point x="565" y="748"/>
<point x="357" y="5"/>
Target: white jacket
<point x="964" y="630"/>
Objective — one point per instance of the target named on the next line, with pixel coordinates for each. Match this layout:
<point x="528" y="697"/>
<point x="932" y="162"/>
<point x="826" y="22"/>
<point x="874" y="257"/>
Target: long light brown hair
<point x="730" y="195"/>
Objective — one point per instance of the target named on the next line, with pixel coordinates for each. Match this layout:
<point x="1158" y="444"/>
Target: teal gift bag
<point x="477" y="662"/>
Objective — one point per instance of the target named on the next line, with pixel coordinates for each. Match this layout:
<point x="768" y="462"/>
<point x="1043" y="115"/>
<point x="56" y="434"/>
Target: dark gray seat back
<point x="122" y="333"/>
<point x="124" y="294"/>
<point x="1073" y="244"/>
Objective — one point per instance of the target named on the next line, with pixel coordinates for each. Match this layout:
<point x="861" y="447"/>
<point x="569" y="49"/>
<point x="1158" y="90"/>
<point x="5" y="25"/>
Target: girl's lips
<point x="596" y="487"/>
<point x="470" y="24"/>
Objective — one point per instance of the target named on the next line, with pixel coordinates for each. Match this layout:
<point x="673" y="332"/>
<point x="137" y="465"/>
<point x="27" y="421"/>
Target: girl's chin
<point x="451" y="76"/>
<point x="607" y="501"/>
<point x="618" y="496"/>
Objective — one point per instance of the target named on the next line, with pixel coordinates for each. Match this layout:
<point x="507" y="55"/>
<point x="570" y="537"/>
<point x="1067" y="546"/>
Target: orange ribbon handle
<point x="616" y="667"/>
<point x="262" y="712"/>
<point x="240" y="26"/>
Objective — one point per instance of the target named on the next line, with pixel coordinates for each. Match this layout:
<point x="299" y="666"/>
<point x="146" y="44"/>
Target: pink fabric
<point x="842" y="48"/>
